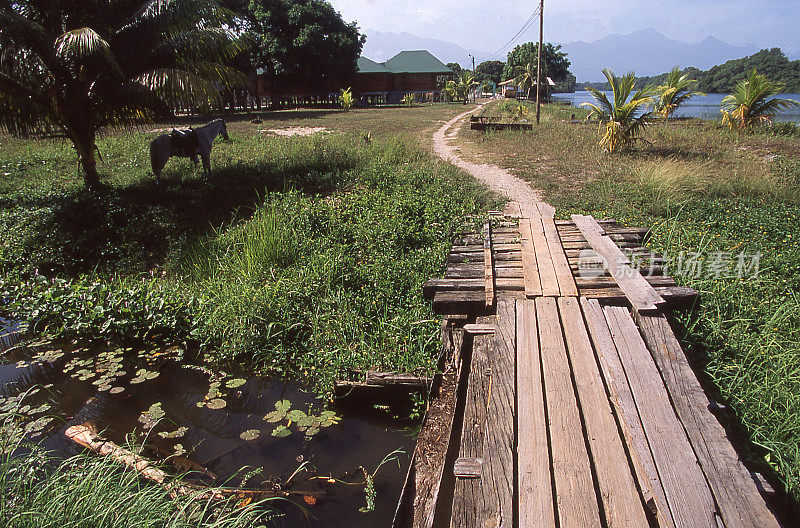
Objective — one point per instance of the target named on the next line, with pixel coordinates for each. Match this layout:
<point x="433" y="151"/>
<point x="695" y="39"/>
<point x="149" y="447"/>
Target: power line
<point x="525" y="27"/>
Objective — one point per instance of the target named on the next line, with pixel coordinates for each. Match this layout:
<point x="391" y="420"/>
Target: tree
<point x="71" y="69"/>
<point x="676" y="90"/>
<point x="526" y="79"/>
<point x="303" y="37"/>
<point x="554" y="61"/>
<point x="463" y="85"/>
<point x="752" y="102"/>
<point x="490" y="71"/>
<point x="456" y="67"/>
<point x="625" y="119"/>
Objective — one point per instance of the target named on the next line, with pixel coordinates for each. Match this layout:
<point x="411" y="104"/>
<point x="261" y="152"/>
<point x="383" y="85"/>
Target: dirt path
<point x="496" y="178"/>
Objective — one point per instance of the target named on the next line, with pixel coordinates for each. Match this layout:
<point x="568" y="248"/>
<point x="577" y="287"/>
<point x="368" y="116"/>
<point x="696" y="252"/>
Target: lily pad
<point x="216" y="404"/>
<point x="179" y="433"/>
<point x="281" y="431"/>
<point x="235" y="383"/>
<point x="250" y="434"/>
<point x="296" y="415"/>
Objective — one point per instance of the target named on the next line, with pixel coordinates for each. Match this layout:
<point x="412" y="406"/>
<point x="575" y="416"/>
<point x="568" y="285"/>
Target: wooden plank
<point x="468" y="467"/>
<point x="566" y="283"/>
<point x="641" y="295"/>
<point x="622" y="399"/>
<point x="575" y="495"/>
<point x="621" y="501"/>
<point x="497" y="471"/>
<point x="685" y="487"/>
<point x="467" y="495"/>
<point x="533" y="458"/>
<point x="739" y="501"/>
<point x="609" y="282"/>
<point x="544" y="262"/>
<point x="533" y="284"/>
<point x="488" y="264"/>
<point x="479" y="329"/>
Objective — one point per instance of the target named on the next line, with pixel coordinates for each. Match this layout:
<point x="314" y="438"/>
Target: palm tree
<point x="526" y="78"/>
<point x="752" y="102"/>
<point x="676" y="91"/>
<point x="71" y="69"/>
<point x="464" y="83"/>
<point x="624" y="120"/>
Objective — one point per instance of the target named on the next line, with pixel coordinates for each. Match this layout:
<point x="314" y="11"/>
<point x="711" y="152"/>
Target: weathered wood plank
<point x="467" y="496"/>
<point x="575" y="495"/>
<point x="533" y="458"/>
<point x="566" y="283"/>
<point x="497" y="471"/>
<point x="737" y="496"/>
<point x="621" y="501"/>
<point x="641" y="295"/>
<point x="488" y="263"/>
<point x="533" y="284"/>
<point x="625" y="406"/>
<point x="544" y="262"/>
<point x="685" y="487"/>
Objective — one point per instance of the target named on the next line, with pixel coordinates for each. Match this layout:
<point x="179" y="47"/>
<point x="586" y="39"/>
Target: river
<point x="707" y="107"/>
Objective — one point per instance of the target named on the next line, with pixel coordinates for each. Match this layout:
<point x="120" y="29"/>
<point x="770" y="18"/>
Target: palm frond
<point x="82" y="44"/>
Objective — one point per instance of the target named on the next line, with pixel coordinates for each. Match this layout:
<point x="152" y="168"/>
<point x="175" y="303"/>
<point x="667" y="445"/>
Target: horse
<point x="187" y="144"/>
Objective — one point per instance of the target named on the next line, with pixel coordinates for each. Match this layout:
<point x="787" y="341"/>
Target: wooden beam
<point x="544" y="262"/>
<point x="488" y="264"/>
<point x="739" y="500"/>
<point x="621" y="500"/>
<point x="572" y="474"/>
<point x="566" y="283"/>
<point x="641" y="295"/>
<point x="533" y="284"/>
<point x="536" y="508"/>
<point x="685" y="487"/>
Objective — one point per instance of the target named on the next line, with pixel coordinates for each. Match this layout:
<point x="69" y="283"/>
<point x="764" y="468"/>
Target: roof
<point x="416" y="62"/>
<point x="369" y="66"/>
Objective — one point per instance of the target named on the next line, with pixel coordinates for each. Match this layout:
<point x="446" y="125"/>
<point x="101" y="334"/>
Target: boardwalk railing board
<point x="488" y="264"/>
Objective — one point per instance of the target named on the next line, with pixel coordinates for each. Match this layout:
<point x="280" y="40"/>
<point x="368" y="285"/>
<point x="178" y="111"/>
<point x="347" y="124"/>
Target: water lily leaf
<point x="235" y="383"/>
<point x="250" y="434"/>
<point x="281" y="431"/>
<point x="275" y="416"/>
<point x="179" y="433"/>
<point x="296" y="415"/>
<point x="104" y="388"/>
<point x="216" y="404"/>
<point x="116" y="390"/>
<point x="179" y="449"/>
<point x="312" y="431"/>
<point x="307" y="421"/>
<point x="40" y="409"/>
<point x="283" y="405"/>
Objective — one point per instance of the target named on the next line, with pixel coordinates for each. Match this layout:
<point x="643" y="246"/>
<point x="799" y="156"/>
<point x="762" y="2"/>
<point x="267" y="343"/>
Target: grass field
<point x="304" y="256"/>
<point x="709" y="196"/>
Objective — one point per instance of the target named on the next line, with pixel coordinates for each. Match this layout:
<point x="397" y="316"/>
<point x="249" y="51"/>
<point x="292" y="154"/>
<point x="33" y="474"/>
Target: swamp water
<point x="332" y="468"/>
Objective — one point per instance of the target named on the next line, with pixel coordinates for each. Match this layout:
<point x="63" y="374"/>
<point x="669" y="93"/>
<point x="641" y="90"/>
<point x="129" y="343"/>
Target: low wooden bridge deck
<point x="571" y="402"/>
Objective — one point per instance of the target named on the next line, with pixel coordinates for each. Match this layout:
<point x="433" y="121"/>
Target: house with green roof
<point x="417" y="72"/>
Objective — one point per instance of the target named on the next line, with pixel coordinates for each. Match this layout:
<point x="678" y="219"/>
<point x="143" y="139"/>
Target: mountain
<point x="383" y="46"/>
<point x="646" y="52"/>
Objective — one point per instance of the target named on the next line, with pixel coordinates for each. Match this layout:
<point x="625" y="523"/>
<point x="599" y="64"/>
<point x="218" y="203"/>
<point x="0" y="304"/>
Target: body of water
<point x="703" y="107"/>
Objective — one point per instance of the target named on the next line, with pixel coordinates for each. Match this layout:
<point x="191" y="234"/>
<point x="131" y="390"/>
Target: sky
<point x="487" y="25"/>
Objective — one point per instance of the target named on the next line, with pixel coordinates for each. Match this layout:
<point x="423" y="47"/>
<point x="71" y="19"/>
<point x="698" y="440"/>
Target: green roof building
<point x="416" y="72"/>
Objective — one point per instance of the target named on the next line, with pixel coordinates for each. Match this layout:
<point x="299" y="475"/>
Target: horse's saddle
<point x="184" y="142"/>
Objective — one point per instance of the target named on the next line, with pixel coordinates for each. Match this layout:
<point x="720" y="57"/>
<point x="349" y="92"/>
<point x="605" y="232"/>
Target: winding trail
<point x="496" y="178"/>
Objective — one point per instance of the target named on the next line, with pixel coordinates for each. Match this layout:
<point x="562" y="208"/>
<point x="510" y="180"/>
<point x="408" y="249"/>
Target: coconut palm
<point x="752" y="102"/>
<point x="71" y="69"/>
<point x="624" y="120"/>
<point x="465" y="82"/>
<point x="526" y="79"/>
<point x="676" y="91"/>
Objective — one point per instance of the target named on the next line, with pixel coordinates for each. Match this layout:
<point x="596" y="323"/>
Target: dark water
<point x="327" y="491"/>
<point x="702" y="107"/>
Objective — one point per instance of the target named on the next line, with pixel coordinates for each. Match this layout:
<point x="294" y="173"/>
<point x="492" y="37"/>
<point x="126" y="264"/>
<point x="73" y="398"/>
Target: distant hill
<point x="722" y="78"/>
<point x="383" y="46"/>
<point x="646" y="52"/>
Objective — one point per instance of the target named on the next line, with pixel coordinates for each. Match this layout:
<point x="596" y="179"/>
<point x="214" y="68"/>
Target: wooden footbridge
<point x="566" y="399"/>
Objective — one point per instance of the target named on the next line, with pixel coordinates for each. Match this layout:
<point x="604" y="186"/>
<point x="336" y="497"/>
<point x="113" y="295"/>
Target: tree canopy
<point x="554" y="61"/>
<point x="73" y="68"/>
<point x="303" y="37"/>
<point x="490" y="71"/>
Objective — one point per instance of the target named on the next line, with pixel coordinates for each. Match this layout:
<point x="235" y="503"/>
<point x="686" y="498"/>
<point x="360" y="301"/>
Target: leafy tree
<point x="71" y="69"/>
<point x="752" y="102"/>
<point x="676" y="91"/>
<point x="624" y="120"/>
<point x="456" y="67"/>
<point x="490" y="71"/>
<point x="303" y="37"/>
<point x="463" y="85"/>
<point x="554" y="61"/>
<point x="527" y="79"/>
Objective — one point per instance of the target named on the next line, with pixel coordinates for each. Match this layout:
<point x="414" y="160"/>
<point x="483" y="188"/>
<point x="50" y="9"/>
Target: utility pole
<point x="539" y="63"/>
<point x="473" y="70"/>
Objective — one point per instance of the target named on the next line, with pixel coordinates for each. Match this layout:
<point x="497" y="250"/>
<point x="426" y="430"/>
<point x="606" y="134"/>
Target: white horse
<point x="187" y="144"/>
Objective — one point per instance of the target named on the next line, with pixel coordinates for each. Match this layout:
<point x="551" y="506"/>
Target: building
<point x="415" y="72"/>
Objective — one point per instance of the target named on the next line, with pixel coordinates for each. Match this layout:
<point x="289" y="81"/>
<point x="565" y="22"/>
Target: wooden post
<point x="539" y="63"/>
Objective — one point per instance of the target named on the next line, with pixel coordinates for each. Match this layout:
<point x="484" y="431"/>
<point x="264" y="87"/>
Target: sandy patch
<point x="297" y="131"/>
